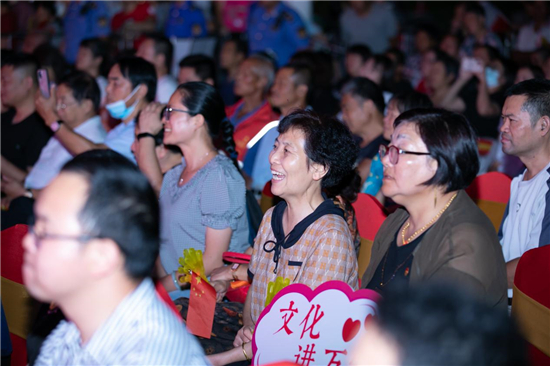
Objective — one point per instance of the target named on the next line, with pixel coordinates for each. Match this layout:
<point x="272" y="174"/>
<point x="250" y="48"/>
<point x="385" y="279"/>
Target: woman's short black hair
<point x="451" y="141"/>
<point x="328" y="142"/>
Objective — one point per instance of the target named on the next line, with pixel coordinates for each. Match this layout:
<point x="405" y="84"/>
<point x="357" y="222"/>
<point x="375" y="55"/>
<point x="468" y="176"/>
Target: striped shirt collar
<point x="102" y="345"/>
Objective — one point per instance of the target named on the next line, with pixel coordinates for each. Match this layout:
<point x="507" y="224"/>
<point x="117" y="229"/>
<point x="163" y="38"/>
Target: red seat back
<point x="492" y="186"/>
<point x="533" y="274"/>
<point x="531" y="303"/>
<point x="15" y="298"/>
<point x="491" y="193"/>
<point x="370" y="215"/>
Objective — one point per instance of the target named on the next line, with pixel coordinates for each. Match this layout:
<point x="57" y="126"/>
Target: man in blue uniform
<point x="185" y="20"/>
<point x="276" y="28"/>
<point x="84" y="19"/>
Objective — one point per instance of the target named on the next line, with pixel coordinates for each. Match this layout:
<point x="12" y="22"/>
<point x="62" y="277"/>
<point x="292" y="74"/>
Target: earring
<point x="435" y="199"/>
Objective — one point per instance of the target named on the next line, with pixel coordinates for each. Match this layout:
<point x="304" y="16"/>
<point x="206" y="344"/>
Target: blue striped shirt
<point x="141" y="331"/>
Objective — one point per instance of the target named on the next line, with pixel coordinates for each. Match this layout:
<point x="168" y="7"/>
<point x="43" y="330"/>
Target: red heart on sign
<point x="350" y="329"/>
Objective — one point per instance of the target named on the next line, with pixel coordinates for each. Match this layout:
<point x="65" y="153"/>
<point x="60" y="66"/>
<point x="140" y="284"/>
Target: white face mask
<point x="119" y="110"/>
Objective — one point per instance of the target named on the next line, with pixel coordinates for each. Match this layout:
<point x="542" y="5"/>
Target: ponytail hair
<point x="204" y="99"/>
<point x="226" y="137"/>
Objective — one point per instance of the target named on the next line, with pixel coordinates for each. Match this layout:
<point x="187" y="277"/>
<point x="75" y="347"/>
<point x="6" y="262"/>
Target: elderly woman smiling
<point x="305" y="237"/>
<point x="440" y="234"/>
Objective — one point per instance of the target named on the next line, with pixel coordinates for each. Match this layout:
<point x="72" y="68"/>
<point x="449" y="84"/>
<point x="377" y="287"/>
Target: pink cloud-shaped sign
<point x="313" y="327"/>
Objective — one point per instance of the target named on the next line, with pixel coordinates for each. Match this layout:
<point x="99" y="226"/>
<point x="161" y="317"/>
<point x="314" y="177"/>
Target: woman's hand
<point x="229" y="357"/>
<point x="222" y="274"/>
<point x="221" y="288"/>
<point x="149" y="118"/>
<point x="244" y="335"/>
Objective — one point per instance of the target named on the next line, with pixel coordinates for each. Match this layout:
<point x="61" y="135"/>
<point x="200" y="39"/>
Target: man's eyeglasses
<point x="64" y="105"/>
<point x="40" y="237"/>
<point x="394" y="152"/>
<point x="167" y="112"/>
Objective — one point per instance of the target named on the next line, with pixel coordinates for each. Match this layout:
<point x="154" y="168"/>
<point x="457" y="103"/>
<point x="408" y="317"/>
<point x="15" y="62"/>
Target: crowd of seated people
<point x="312" y="115"/>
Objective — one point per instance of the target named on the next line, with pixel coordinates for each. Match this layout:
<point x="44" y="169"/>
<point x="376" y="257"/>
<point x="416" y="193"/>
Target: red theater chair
<point x="15" y="298"/>
<point x="370" y="214"/>
<point x="491" y="193"/>
<point x="531" y="302"/>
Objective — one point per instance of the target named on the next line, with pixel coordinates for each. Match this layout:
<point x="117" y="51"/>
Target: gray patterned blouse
<point x="214" y="197"/>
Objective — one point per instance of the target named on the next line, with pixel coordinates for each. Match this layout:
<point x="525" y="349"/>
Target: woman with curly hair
<point x="202" y="201"/>
<point x="306" y="231"/>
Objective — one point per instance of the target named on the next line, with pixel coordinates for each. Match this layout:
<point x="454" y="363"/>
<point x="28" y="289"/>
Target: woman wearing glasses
<point x="440" y="234"/>
<point x="202" y="200"/>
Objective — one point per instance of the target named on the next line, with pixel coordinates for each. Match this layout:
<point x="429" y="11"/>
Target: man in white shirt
<point x="132" y="85"/>
<point x="158" y="50"/>
<point x="526" y="134"/>
<point x="92" y="250"/>
<point x="77" y="105"/>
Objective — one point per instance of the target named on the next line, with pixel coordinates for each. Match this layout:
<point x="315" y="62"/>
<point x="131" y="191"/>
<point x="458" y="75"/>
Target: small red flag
<point x="202" y="304"/>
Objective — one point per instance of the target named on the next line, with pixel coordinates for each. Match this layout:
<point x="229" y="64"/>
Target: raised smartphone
<point x="43" y="82"/>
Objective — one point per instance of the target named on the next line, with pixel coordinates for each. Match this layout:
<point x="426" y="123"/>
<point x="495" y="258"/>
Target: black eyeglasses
<point x="40" y="237"/>
<point x="167" y="112"/>
<point x="394" y="152"/>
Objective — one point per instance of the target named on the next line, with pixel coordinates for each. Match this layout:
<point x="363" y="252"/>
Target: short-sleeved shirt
<point x="121" y="138"/>
<point x="526" y="221"/>
<point x="22" y="142"/>
<point x="214" y="197"/>
<point x="324" y="252"/>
